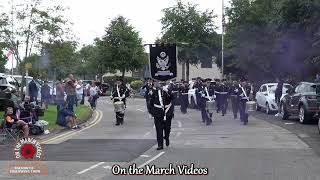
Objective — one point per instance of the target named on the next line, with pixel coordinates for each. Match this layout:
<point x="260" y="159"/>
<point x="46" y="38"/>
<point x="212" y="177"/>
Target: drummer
<point x="243" y="96"/>
<point x="120" y="93"/>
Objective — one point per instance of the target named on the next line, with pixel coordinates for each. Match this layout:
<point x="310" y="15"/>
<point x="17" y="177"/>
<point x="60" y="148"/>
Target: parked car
<point x="301" y="101"/>
<point x="266" y="96"/>
<point x="8" y="83"/>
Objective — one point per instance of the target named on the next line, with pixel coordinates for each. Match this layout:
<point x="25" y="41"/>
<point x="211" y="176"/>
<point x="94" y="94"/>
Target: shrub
<point x="136" y="84"/>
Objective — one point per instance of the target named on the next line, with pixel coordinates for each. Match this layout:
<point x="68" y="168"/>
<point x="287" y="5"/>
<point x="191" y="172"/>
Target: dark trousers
<point x="162" y="127"/>
<point x="184" y="103"/>
<point x="148" y="105"/>
<point x="235" y="105"/>
<point x="218" y="103"/>
<point x="93" y="102"/>
<point x="242" y="110"/>
<point x="223" y="103"/>
<point x="71" y="100"/>
<point x="119" y="117"/>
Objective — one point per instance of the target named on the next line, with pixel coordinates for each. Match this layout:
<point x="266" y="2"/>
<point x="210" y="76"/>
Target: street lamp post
<point x="222" y="41"/>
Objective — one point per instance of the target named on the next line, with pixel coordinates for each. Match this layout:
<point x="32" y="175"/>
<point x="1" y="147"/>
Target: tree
<point x="272" y="38"/>
<point x="3" y="58"/>
<point x="121" y="47"/>
<point x="183" y="23"/>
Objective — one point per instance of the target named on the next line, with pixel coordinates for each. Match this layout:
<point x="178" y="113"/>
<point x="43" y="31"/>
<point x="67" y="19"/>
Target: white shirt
<point x="79" y="89"/>
<point x="94" y="90"/>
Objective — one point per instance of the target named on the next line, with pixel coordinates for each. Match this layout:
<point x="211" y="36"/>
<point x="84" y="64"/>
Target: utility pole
<point x="12" y="35"/>
<point x="222" y="41"/>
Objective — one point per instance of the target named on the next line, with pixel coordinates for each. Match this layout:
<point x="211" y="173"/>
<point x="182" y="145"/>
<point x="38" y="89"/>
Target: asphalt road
<point x="261" y="150"/>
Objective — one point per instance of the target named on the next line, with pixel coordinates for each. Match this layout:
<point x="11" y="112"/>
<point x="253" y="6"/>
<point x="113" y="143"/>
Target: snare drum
<point x="210" y="106"/>
<point x="118" y="106"/>
<point x="251" y="106"/>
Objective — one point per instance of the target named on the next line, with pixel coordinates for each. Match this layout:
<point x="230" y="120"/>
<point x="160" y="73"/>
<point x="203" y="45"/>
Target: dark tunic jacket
<point x="155" y="105"/>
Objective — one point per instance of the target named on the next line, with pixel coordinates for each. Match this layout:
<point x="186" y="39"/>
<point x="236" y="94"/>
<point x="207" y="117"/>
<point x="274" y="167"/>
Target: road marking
<point x="154" y="126"/>
<point x="143" y="155"/>
<point x="141" y="110"/>
<point x="179" y="124"/>
<point x="146" y="134"/>
<point x="152" y="159"/>
<point x="288" y="123"/>
<point x="90" y="168"/>
<point x="72" y="133"/>
<point x="107" y="167"/>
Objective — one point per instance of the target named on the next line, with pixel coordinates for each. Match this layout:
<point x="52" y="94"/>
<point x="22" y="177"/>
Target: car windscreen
<point x="272" y="89"/>
<point x="3" y="80"/>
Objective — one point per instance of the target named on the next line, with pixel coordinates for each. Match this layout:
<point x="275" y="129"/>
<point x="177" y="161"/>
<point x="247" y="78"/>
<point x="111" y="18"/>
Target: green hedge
<point x="136" y="84"/>
<point x="112" y="79"/>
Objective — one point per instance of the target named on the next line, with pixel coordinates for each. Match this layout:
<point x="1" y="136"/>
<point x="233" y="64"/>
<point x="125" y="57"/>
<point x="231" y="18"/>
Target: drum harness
<point x="244" y="92"/>
<point x="161" y="106"/>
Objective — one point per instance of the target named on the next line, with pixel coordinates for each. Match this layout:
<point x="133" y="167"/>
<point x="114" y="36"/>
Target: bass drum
<point x="118" y="106"/>
<point x="211" y="106"/>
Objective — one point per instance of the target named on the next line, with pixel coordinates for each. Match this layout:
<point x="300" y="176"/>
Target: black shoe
<point x="235" y="117"/>
<point x="222" y="114"/>
<point x="167" y="142"/>
<point x="209" y="123"/>
<point x="117" y="124"/>
<point x="245" y="122"/>
<point x="159" y="148"/>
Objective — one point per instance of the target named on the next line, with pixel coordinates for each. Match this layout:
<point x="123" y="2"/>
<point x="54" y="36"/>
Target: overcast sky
<point x="90" y="17"/>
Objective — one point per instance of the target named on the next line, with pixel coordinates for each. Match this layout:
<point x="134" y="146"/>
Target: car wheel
<point x="284" y="112"/>
<point x="267" y="108"/>
<point x="258" y="107"/>
<point x="302" y="115"/>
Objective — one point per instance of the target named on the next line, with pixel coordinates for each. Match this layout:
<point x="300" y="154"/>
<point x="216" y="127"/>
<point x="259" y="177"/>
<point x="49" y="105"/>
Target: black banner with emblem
<point x="163" y="62"/>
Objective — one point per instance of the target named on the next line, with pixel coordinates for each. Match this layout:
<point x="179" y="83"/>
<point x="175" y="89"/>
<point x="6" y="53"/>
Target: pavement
<point x="262" y="150"/>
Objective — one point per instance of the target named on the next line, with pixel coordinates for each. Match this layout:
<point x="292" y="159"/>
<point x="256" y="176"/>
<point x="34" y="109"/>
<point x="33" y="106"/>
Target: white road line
<point x="152" y="159"/>
<point x="146" y="134"/>
<point x="154" y="126"/>
<point x="90" y="168"/>
<point x="179" y="124"/>
<point x="107" y="167"/>
<point x="288" y="123"/>
<point x="143" y="155"/>
<point x="141" y="110"/>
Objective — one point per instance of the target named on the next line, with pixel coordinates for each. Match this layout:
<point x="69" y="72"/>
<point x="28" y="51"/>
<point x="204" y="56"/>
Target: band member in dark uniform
<point x="148" y="86"/>
<point x="183" y="90"/>
<point x="161" y="103"/>
<point x="209" y="93"/>
<point x="223" y="93"/>
<point x="234" y="98"/>
<point x="198" y="86"/>
<point x="120" y="93"/>
<point x="217" y="93"/>
<point x="243" y="95"/>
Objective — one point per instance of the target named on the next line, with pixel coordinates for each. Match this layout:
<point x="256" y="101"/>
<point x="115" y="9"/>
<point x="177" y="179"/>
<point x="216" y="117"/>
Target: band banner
<point x="163" y="61"/>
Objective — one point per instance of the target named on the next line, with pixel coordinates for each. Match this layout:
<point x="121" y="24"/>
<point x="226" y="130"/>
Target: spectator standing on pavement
<point x="45" y="94"/>
<point x="70" y="89"/>
<point x="79" y="91"/>
<point x="33" y="90"/>
<point x="94" y="90"/>
<point x="278" y="94"/>
<point x="59" y="94"/>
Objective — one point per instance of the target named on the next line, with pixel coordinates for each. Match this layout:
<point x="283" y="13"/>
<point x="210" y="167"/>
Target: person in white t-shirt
<point x="94" y="95"/>
<point x="79" y="92"/>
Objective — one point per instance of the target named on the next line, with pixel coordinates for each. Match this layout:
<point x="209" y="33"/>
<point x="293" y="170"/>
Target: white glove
<point x="236" y="90"/>
<point x="150" y="92"/>
<point x="242" y="95"/>
<point x="123" y="96"/>
<point x="214" y="96"/>
<point x="202" y="95"/>
<point x="165" y="89"/>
